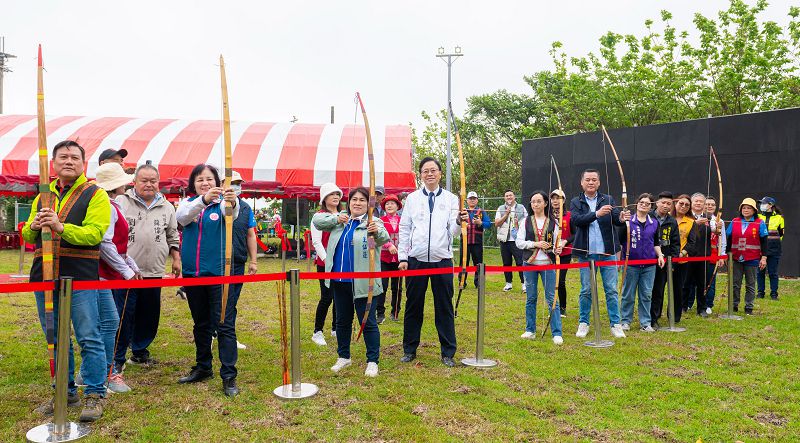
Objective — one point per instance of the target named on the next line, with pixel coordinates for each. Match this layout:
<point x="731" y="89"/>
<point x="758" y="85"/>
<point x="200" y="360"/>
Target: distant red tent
<point x="275" y="159"/>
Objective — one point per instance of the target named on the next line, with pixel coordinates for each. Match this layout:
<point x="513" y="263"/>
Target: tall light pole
<point x="449" y="59"/>
<point x="3" y="67"/>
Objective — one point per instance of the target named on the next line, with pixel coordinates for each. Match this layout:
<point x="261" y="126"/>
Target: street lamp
<point x="449" y="59"/>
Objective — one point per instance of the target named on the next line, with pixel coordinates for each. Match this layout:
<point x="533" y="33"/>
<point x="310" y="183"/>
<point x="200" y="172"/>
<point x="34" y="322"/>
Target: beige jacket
<point x="153" y="232"/>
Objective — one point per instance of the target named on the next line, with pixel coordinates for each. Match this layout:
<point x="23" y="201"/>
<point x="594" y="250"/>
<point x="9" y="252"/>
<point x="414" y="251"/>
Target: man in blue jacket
<point x="593" y="217"/>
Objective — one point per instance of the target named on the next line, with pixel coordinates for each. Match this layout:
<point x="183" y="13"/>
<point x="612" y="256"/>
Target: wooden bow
<point x="226" y="131"/>
<point x="370" y="210"/>
<point x="556" y="241"/>
<point x="718" y="218"/>
<point x="45" y="201"/>
<point x="624" y="205"/>
<point x="462" y="275"/>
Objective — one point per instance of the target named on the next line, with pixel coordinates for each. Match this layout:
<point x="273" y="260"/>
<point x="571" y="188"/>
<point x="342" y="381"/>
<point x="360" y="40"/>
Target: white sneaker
<point x="617" y="331"/>
<point x="240" y="345"/>
<point x="708" y="311"/>
<point x="528" y="334"/>
<point x="626" y="327"/>
<point x="507" y="287"/>
<point x="333" y="332"/>
<point x="319" y="338"/>
<point x="648" y="328"/>
<point x="523" y="289"/>
<point x="372" y="369"/>
<point x="342" y="363"/>
<point x="583" y="329"/>
<point x="558" y="340"/>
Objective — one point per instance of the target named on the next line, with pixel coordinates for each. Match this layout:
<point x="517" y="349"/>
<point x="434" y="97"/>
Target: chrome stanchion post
<point x="479" y="361"/>
<point x="671" y="300"/>
<point x="730" y="315"/>
<point x="296" y="389"/>
<point x="61" y="430"/>
<point x="598" y="342"/>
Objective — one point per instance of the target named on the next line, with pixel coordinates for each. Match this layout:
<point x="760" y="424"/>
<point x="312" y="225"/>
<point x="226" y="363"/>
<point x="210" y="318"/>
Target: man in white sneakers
<point x="593" y="217"/>
<point x="507" y="219"/>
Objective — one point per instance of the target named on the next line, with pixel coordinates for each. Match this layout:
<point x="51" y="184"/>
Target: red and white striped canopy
<point x="298" y="157"/>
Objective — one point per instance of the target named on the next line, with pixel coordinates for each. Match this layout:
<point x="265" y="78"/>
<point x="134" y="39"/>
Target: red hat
<point x="391" y="198"/>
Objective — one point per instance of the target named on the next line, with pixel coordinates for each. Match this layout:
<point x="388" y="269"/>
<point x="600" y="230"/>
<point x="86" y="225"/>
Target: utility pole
<point x="3" y="68"/>
<point x="331" y="114"/>
<point x="449" y="59"/>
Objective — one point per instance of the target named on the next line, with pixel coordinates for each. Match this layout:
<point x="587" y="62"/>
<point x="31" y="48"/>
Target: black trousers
<point x="325" y="301"/>
<point x="139" y="323"/>
<point x="395" y="288"/>
<point x="694" y="286"/>
<point x="679" y="273"/>
<point x="442" y="287"/>
<point x="659" y="286"/>
<point x="509" y="249"/>
<point x="562" y="283"/>
<point x="205" y="303"/>
<point x="475" y="253"/>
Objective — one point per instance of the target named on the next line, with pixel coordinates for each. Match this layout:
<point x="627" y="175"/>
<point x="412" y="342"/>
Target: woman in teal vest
<point x="348" y="252"/>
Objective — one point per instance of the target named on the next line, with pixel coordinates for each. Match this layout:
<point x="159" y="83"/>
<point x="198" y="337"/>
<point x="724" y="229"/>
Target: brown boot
<point x="93" y="408"/>
<point x="47" y="408"/>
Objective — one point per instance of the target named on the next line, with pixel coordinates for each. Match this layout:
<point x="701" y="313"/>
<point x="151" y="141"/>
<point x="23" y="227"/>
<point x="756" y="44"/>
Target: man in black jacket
<point x="670" y="241"/>
<point x="593" y="216"/>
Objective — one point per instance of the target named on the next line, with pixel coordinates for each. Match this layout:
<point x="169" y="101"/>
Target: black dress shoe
<point x="760" y="295"/>
<point x="196" y="375"/>
<point x="229" y="387"/>
<point x="735" y="308"/>
<point x="448" y="361"/>
<point x="408" y="358"/>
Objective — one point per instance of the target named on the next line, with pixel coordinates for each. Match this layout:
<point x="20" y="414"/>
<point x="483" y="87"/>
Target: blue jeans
<point x="609" y="276"/>
<point x="772" y="271"/>
<point x="109" y="322"/>
<point x="85" y="322"/>
<point x="712" y="285"/>
<point x="531" y="289"/>
<point x="640" y="278"/>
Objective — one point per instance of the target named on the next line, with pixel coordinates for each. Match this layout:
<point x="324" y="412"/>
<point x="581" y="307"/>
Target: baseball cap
<point x="472" y="194"/>
<point x="768" y="200"/>
<point x="108" y="153"/>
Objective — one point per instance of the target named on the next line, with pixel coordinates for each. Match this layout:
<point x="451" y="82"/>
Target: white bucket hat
<point x="110" y="176"/>
<point x="327" y="189"/>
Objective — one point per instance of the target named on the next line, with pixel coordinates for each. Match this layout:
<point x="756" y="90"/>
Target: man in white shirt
<point x="429" y="222"/>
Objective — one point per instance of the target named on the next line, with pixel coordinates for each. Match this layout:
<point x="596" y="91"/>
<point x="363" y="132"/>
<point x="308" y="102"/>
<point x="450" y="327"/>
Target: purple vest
<point x="642" y="237"/>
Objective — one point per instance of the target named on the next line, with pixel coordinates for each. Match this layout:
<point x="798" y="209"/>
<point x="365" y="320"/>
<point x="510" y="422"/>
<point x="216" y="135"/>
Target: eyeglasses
<point x="429" y="171"/>
<point x="645" y="203"/>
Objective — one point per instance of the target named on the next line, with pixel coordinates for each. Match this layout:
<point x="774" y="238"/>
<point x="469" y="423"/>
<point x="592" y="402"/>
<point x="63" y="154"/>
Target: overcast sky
<point x="298" y="58"/>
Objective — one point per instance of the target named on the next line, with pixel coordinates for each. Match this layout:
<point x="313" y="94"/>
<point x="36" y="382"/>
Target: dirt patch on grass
<point x="770" y="418"/>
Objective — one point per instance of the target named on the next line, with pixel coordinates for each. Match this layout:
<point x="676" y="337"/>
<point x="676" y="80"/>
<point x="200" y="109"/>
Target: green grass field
<point x="719" y="381"/>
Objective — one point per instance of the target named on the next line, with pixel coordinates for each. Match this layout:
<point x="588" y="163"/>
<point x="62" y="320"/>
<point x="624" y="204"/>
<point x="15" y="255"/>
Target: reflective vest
<point x="745" y="245"/>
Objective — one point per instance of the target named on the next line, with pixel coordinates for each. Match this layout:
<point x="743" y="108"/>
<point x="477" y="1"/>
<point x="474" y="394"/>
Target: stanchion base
<point x="673" y="329"/>
<point x="730" y="317"/>
<point x="475" y="363"/>
<point x="20" y="276"/>
<point x="44" y="433"/>
<point x="306" y="390"/>
<point x="599" y="344"/>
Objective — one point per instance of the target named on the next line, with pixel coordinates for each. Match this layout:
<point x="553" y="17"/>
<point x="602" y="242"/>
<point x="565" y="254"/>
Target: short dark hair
<point x="146" y="166"/>
<point x="426" y="160"/>
<point x="69" y="144"/>
<point x="359" y="190"/>
<point x="588" y="170"/>
<point x="507" y="191"/>
<point x="646" y="194"/>
<point x="199" y="169"/>
<point x="665" y="194"/>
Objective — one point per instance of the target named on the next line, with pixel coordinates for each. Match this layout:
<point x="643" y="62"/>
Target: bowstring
<point x="608" y="190"/>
